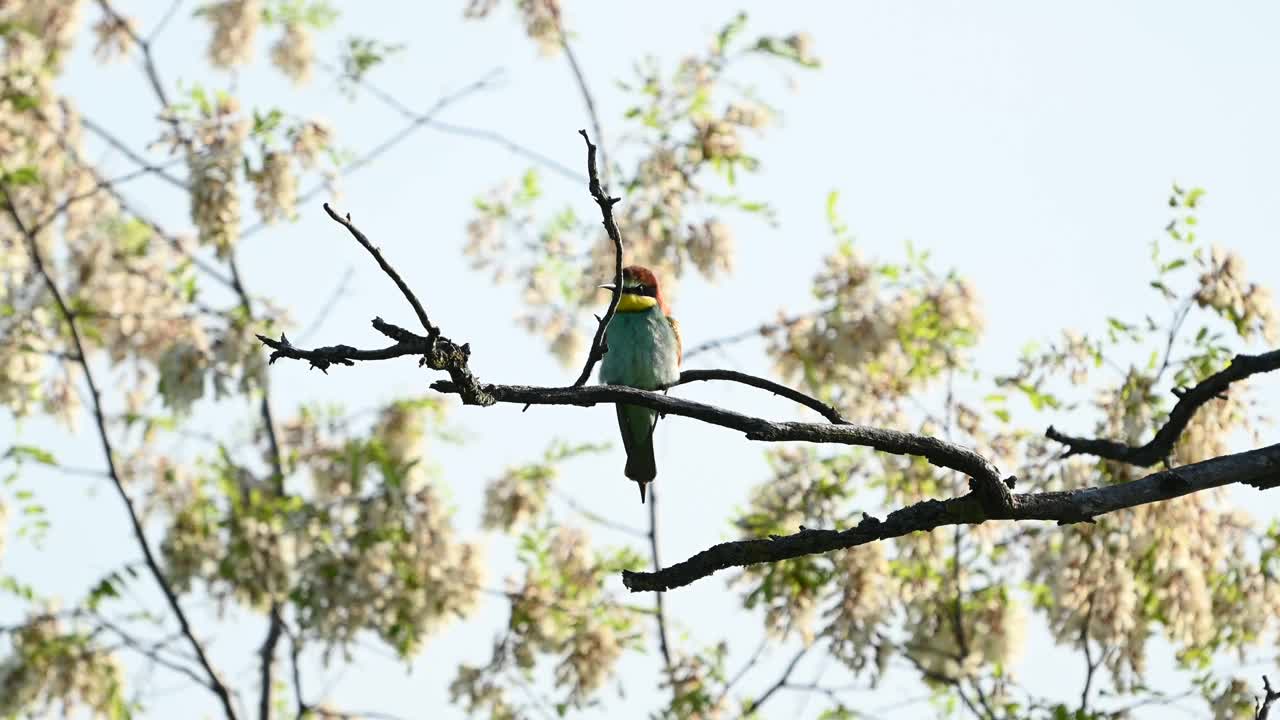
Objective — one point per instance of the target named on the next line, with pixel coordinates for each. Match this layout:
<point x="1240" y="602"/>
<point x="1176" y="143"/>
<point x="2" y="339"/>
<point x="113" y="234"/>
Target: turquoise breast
<point x="643" y="352"/>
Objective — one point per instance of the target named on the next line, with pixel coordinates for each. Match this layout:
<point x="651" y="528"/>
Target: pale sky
<point x="1030" y="148"/>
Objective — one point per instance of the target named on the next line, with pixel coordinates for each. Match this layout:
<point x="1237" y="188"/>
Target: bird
<point x="644" y="352"/>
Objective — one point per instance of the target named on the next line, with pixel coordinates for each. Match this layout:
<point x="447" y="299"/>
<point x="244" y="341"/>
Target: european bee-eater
<point x="644" y="352"/>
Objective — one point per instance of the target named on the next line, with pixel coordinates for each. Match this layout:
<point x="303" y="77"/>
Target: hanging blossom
<point x="294" y="54"/>
<point x="235" y="22"/>
<point x="1249" y="305"/>
<point x="214" y="156"/>
<point x="276" y="186"/>
<point x="52" y="22"/>
<point x="52" y="670"/>
<point x="114" y="37"/>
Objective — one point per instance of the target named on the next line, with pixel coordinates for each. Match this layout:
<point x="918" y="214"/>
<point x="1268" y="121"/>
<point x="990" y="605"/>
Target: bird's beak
<point x="607" y="286"/>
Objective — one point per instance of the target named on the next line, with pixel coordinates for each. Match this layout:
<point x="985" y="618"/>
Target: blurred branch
<point x="432" y="330"/>
<point x="417" y="121"/>
<point x="323" y="313"/>
<point x="660" y="612"/>
<point x="598" y="345"/>
<point x="142" y="163"/>
<point x="1263" y="709"/>
<point x="1065" y="507"/>
<point x="587" y="98"/>
<point x="599" y="519"/>
<point x="69" y="318"/>
<point x="428" y="119"/>
<point x="762" y="330"/>
<point x="752" y="707"/>
<point x="1160" y="446"/>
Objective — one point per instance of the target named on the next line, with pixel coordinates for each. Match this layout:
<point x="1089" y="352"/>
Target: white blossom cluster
<point x="991" y="632"/>
<point x="54" y="670"/>
<point x="385" y="559"/>
<point x="276" y="185"/>
<point x="113" y="36"/>
<point x="876" y="343"/>
<point x="668" y="222"/>
<point x="541" y="20"/>
<point x="214" y="158"/>
<point x="235" y="23"/>
<point x="517" y="497"/>
<point x="294" y="54"/>
<point x="1249" y="305"/>
<point x="866" y="598"/>
<point x="558" y="609"/>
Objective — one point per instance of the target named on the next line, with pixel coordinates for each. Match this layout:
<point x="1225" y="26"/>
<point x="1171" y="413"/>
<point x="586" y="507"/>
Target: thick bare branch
<point x="938" y="452"/>
<point x="606" y="203"/>
<point x="1253" y="467"/>
<point x="1160" y="446"/>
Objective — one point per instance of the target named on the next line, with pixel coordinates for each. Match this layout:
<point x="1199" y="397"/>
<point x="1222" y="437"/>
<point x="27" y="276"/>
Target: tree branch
<point x="418" y="310"/>
<point x="1263" y="709"/>
<point x="606" y="203"/>
<point x="812" y="403"/>
<point x="1066" y="507"/>
<point x="64" y="310"/>
<point x="587" y="98"/>
<point x="1159" y="447"/>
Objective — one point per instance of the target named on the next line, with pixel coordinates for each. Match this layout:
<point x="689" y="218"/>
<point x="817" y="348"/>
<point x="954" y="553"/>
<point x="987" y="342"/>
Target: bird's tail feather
<point x="636" y="424"/>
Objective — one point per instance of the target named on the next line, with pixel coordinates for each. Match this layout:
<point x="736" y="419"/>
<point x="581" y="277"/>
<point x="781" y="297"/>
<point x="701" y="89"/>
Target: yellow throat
<point x="629" y="303"/>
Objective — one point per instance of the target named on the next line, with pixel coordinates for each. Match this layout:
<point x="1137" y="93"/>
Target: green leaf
<point x="29" y="452"/>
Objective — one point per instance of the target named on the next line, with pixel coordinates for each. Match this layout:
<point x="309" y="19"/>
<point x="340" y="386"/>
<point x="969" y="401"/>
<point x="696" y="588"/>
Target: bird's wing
<point x="675" y="327"/>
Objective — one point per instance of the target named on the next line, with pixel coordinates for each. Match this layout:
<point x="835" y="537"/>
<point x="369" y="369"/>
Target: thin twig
<point x="323" y="313"/>
<point x="418" y="310"/>
<point x="142" y="163"/>
<point x="762" y="330"/>
<point x="587" y="98"/>
<point x="164" y="21"/>
<point x="754" y="705"/>
<point x="606" y="203"/>
<point x="417" y="121"/>
<point x="812" y="403"/>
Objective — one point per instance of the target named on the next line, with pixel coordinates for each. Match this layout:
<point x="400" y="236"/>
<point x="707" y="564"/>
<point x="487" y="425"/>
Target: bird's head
<point x="640" y="290"/>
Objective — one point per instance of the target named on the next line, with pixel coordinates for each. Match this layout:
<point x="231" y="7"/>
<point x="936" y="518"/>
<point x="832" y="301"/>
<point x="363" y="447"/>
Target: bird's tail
<point x="636" y="424"/>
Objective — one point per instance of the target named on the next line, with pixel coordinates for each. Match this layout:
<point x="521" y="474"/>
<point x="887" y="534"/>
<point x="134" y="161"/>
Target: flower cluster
<point x="294" y="54"/>
<point x="1249" y="306"/>
<point x="668" y="222"/>
<point x="885" y="332"/>
<point x="805" y="490"/>
<point x="235" y="23"/>
<point x="866" y="597"/>
<point x="56" y="671"/>
<point x="558" y="609"/>
<point x="276" y="185"/>
<point x="214" y="157"/>
<point x="114" y="36"/>
<point x="989" y="630"/>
